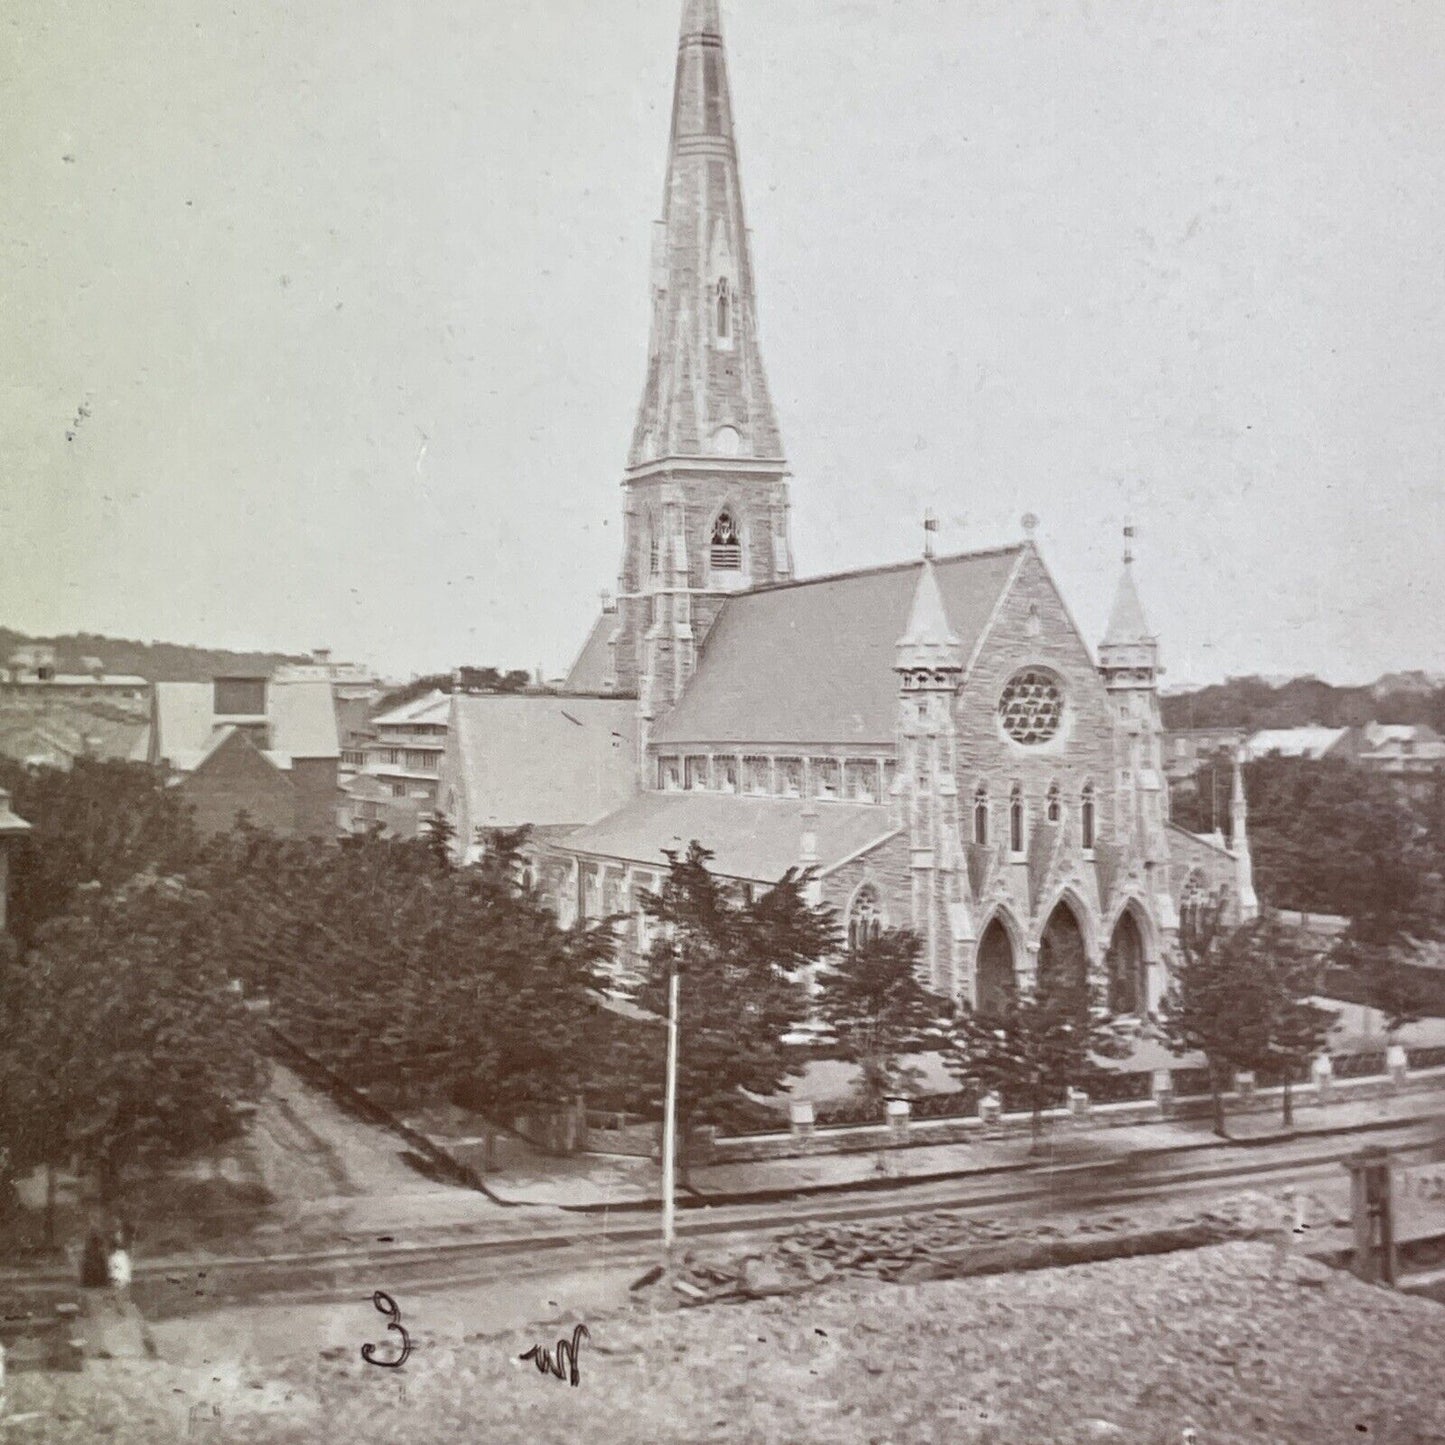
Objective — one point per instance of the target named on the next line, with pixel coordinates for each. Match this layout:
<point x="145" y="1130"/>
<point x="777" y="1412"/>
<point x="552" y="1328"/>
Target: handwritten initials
<point x="541" y="1356"/>
<point x="388" y="1306"/>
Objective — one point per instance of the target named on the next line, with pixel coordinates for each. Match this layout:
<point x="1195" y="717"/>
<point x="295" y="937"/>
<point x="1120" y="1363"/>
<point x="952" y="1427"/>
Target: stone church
<point x="933" y="738"/>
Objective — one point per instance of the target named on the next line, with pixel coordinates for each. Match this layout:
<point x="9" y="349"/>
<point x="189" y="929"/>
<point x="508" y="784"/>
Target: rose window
<point x="1031" y="707"/>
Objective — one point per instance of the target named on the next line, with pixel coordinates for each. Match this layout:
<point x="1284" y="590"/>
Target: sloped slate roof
<point x="589" y="672"/>
<point x="812" y="662"/>
<point x="432" y="707"/>
<point x="544" y="760"/>
<point x="753" y="838"/>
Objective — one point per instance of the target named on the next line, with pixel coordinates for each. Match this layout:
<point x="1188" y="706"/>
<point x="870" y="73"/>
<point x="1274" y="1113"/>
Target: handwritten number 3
<point x="388" y="1306"/>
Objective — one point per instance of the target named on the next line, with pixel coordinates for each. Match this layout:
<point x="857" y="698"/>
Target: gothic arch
<point x="866" y="914"/>
<point x="1127" y="960"/>
<point x="1066" y="939"/>
<point x="1144" y="920"/>
<point x="727" y="542"/>
<point x="1068" y="897"/>
<point x="997" y="957"/>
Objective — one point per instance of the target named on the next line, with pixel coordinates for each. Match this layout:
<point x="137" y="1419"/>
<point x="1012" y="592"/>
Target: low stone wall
<point x="921" y="1132"/>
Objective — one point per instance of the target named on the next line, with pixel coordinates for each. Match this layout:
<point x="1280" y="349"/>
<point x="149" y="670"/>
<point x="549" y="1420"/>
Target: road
<point x="267" y="1309"/>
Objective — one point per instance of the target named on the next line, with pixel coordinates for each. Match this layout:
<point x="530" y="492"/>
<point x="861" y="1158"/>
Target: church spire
<point x="1129" y="653"/>
<point x="1126" y="621"/>
<point x="929" y="642"/>
<point x="706" y="394"/>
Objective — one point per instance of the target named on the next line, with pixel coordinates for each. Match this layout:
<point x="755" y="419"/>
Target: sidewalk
<point x="593" y="1183"/>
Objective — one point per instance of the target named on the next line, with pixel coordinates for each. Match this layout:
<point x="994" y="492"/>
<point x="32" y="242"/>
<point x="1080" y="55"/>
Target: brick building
<point x="254" y="746"/>
<point x="934" y="738"/>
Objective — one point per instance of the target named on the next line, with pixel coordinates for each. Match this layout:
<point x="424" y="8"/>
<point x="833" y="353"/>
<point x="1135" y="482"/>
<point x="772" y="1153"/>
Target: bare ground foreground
<point x="1233" y="1343"/>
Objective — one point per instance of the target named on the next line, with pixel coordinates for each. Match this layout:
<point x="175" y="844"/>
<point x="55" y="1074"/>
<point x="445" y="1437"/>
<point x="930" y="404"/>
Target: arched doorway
<point x="1128" y="988"/>
<point x="994" y="977"/>
<point x="1063" y="957"/>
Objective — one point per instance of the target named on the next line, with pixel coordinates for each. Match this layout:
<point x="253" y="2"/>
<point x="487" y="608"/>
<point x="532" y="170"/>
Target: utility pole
<point x="669" y="1123"/>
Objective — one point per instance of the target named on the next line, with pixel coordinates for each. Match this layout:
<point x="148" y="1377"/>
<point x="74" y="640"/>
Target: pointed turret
<point x="706" y="394"/>
<point x="929" y="642"/>
<point x="1129" y="653"/>
<point x="928" y="659"/>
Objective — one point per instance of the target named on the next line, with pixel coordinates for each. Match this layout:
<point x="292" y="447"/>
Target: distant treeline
<point x="154" y="661"/>
<point x="1252" y="703"/>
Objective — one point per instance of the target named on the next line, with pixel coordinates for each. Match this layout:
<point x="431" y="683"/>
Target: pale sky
<point x="346" y="307"/>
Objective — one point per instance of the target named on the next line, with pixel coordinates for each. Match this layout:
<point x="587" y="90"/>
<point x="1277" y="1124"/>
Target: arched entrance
<point x="1063" y="957"/>
<point x="994" y="978"/>
<point x="1128" y="988"/>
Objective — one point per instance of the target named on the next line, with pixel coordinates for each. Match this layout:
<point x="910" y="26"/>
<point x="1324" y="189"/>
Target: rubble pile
<point x="944" y="1244"/>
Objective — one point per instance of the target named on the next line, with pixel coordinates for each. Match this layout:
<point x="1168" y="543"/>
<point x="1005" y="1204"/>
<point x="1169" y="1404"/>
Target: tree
<point x="124" y="1039"/>
<point x="99" y="823"/>
<point x="1044" y="1039"/>
<point x="740" y="963"/>
<point x="411" y="977"/>
<point x="1031" y="1050"/>
<point x="876" y="1006"/>
<point x="1243" y="998"/>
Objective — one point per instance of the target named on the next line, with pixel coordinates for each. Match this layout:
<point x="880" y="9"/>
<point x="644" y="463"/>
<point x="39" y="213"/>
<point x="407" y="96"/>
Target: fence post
<point x="1161" y="1087"/>
<point x="990" y="1107"/>
<point x="800" y="1118"/>
<point x="897" y="1113"/>
<point x="1077" y="1103"/>
<point x="1322" y="1076"/>
<point x="1396" y="1064"/>
<point x="1244" y="1084"/>
<point x="1372" y="1211"/>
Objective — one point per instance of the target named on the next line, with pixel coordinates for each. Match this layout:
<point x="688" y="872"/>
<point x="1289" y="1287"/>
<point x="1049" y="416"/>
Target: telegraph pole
<point x="669" y="1122"/>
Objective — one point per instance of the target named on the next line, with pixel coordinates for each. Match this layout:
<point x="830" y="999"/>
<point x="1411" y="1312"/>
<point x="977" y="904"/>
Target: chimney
<point x="321" y="656"/>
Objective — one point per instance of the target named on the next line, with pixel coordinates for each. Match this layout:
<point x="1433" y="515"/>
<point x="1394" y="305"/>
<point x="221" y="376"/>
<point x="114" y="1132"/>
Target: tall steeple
<point x="706" y="394"/>
<point x="705" y="492"/>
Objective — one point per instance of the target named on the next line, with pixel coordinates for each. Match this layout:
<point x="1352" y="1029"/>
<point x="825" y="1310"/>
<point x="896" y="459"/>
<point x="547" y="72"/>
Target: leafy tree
<point x="1031" y="1050"/>
<point x="1041" y="1041"/>
<point x="123" y="1038"/>
<point x="1243" y="998"/>
<point x="411" y="977"/>
<point x="877" y="1008"/>
<point x="98" y="823"/>
<point x="740" y="964"/>
<point x="440" y="835"/>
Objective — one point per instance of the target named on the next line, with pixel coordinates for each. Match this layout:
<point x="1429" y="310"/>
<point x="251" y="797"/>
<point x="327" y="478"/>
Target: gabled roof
<point x="813" y="662"/>
<point x="757" y="839"/>
<point x="433" y="707"/>
<point x="543" y="760"/>
<point x="589" y="672"/>
<point x="302" y="717"/>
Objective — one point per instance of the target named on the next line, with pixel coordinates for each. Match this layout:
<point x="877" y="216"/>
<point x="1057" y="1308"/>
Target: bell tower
<point x="705" y="495"/>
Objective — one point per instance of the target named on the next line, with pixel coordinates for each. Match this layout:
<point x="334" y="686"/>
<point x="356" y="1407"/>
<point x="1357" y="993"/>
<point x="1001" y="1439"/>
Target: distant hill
<point x="154" y="661"/>
<point x="1256" y="702"/>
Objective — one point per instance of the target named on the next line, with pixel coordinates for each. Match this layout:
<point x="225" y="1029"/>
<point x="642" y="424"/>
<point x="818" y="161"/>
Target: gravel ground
<point x="1232" y="1343"/>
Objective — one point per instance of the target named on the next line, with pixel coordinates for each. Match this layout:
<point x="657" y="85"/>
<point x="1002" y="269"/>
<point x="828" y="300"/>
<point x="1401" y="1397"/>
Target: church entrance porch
<point x="1127" y="969"/>
<point x="994" y="975"/>
<point x="1063" y="956"/>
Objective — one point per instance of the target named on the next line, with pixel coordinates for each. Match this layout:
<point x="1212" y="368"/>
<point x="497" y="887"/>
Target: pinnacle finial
<point x="930" y="526"/>
<point x="1128" y="543"/>
<point x="1029" y="522"/>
